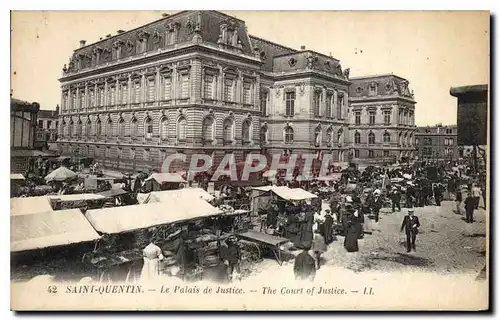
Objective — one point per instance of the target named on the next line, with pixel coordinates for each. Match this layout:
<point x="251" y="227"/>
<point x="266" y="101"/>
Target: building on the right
<point x="381" y="119"/>
<point x="436" y="143"/>
<point x="472" y="119"/>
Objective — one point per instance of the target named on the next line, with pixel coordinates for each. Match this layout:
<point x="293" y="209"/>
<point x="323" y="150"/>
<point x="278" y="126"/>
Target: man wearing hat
<point x="230" y="255"/>
<point x="410" y="225"/>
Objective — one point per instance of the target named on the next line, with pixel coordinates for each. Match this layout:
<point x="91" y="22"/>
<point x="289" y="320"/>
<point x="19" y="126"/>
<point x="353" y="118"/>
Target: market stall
<point x="29" y="205"/>
<point x="164" y="181"/>
<point x="49" y="229"/>
<point x="165" y="196"/>
<point x="69" y="201"/>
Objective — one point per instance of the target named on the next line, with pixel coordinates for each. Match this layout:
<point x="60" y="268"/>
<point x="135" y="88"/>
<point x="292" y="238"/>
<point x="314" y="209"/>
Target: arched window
<point x="109" y="128"/>
<point x="405" y="139"/>
<point x="63" y="128"/>
<point x="148" y="128"/>
<point x="288" y="135"/>
<point x="340" y="137"/>
<point x="164" y="128"/>
<point x="98" y="128"/>
<point x="79" y="128"/>
<point x="410" y="140"/>
<point x="387" y="137"/>
<point x="70" y="128"/>
<point x="371" y="138"/>
<point x="228" y="133"/>
<point x="317" y="136"/>
<point x="207" y="130"/>
<point x="246" y="131"/>
<point x="121" y="128"/>
<point x="401" y="138"/>
<point x="88" y="128"/>
<point x="329" y="136"/>
<point x="133" y="128"/>
<point x="263" y="134"/>
<point x="357" y="138"/>
<point x="181" y="129"/>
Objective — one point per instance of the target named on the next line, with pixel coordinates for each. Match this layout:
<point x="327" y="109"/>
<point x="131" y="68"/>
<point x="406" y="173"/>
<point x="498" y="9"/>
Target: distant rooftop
<point x="459" y="91"/>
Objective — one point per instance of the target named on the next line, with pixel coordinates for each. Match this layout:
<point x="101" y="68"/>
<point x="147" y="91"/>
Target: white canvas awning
<point x="75" y="197"/>
<point x="164" y="196"/>
<point x="161" y="178"/>
<point x="129" y="218"/>
<point x="290" y="194"/>
<point x="29" y="205"/>
<point x="49" y="229"/>
<point x="14" y="176"/>
<point x="60" y="174"/>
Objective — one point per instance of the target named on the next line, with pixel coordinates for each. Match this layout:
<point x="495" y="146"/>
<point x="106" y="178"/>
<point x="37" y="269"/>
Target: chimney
<point x="302" y="47"/>
<point x="120" y="31"/>
<point x="82" y="43"/>
<point x="108" y="35"/>
<point x="164" y="15"/>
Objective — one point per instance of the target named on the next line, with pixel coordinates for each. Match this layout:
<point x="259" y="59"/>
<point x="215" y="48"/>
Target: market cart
<point x="265" y="241"/>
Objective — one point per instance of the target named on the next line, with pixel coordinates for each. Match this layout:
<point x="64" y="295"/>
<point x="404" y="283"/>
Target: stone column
<point x="334" y="105"/>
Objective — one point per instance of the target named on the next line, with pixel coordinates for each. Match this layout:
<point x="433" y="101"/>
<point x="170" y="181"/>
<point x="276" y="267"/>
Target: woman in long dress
<point x="152" y="256"/>
<point x="352" y="233"/>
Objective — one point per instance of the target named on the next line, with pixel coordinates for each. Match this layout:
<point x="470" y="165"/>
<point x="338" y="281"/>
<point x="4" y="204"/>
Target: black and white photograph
<point x="250" y="160"/>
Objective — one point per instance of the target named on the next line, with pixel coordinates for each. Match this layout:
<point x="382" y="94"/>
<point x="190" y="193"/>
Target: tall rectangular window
<point x="151" y="89"/>
<point x="328" y="111"/>
<point x="208" y="86"/>
<point x="387" y="117"/>
<point x="340" y="103"/>
<point x="101" y="96"/>
<point x="247" y="93"/>
<point x="185" y="86"/>
<point x="356" y="153"/>
<point x="370" y="154"/>
<point x="263" y="103"/>
<point x="82" y="99"/>
<point x="228" y="90"/>
<point x="92" y="98"/>
<point x="290" y="103"/>
<point x="386" y="153"/>
<point x="112" y="95"/>
<point x="372" y="117"/>
<point x="137" y="92"/>
<point x="73" y="100"/>
<point x="317" y="103"/>
<point x="167" y="87"/>
<point x="124" y="93"/>
<point x="357" y="118"/>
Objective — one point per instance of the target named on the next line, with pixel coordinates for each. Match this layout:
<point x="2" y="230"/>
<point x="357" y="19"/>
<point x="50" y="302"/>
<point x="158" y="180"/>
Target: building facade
<point x="47" y="128"/>
<point x="197" y="82"/>
<point x="381" y="119"/>
<point x="436" y="143"/>
<point x="23" y="120"/>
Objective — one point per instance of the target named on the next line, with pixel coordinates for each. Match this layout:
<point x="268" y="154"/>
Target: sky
<point x="433" y="50"/>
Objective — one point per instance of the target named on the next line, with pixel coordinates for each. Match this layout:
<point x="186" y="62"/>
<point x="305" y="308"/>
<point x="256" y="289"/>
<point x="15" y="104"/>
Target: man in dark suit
<point x="410" y="225"/>
<point x="470" y="203"/>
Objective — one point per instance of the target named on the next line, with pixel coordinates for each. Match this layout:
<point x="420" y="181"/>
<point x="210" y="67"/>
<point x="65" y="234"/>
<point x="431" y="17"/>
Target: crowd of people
<point x="359" y="195"/>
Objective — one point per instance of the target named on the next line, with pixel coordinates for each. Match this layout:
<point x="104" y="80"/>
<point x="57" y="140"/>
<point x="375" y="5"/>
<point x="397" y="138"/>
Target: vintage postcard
<point x="250" y="160"/>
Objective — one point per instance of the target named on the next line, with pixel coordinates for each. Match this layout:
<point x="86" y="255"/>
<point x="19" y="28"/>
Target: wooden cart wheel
<point x="254" y="251"/>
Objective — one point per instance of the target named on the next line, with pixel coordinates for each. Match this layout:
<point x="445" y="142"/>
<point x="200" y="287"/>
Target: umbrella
<point x="60" y="174"/>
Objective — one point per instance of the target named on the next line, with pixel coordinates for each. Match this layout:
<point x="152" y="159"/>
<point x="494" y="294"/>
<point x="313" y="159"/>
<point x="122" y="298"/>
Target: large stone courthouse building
<point x="197" y="82"/>
<point x="382" y="121"/>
